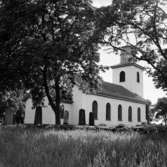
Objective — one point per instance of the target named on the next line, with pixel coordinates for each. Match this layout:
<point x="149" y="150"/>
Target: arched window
<point x="119" y="113"/>
<point x="82" y="120"/>
<point x="108" y="112"/>
<point x="122" y="76"/>
<point x="95" y="109"/>
<point x="138" y="114"/>
<point x="130" y="114"/>
<point x="138" y="77"/>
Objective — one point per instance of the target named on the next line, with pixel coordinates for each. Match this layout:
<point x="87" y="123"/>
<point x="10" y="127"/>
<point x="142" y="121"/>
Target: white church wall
<point x="69" y="108"/>
<point x="102" y="101"/>
<point x="130" y="79"/>
<point x="84" y="101"/>
<point x="48" y="115"/>
<point x="29" y="113"/>
<point x="77" y="105"/>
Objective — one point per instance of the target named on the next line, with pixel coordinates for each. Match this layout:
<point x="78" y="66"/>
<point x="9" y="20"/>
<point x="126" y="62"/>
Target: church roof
<point x="119" y="92"/>
<point x="110" y="90"/>
<point x="129" y="64"/>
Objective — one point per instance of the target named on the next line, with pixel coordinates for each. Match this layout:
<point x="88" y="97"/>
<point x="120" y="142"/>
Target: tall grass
<point x="40" y="148"/>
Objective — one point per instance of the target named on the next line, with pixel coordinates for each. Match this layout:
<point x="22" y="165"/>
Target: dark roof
<point x="119" y="92"/>
<point x="129" y="64"/>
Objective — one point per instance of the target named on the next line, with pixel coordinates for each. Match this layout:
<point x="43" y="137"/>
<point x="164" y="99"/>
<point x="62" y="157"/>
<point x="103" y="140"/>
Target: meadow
<point x="21" y="147"/>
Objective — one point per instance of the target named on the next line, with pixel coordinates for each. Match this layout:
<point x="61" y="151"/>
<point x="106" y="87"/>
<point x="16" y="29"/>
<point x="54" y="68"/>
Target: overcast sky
<point x="108" y="58"/>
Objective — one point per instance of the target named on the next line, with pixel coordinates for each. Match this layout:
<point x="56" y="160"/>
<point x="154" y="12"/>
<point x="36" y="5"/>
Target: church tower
<point x="129" y="74"/>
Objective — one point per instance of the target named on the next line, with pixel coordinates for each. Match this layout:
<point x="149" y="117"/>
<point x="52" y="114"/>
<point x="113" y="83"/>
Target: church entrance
<point x="82" y="117"/>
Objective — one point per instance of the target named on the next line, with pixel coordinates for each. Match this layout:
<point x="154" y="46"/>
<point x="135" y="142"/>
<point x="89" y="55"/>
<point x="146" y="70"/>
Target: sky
<point x="108" y="58"/>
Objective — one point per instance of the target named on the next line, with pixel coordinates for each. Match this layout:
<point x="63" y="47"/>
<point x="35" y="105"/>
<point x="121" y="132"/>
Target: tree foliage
<point x="13" y="99"/>
<point x="161" y="108"/>
<point x="46" y="43"/>
<point x="141" y="25"/>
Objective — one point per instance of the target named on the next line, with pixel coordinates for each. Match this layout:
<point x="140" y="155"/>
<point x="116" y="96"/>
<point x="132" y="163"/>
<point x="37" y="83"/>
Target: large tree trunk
<point x="57" y="90"/>
<point x="53" y="106"/>
<point x="165" y="119"/>
<point x="147" y="114"/>
<point x="38" y="116"/>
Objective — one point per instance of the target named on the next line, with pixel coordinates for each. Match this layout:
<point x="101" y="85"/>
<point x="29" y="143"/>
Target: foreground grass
<point x="40" y="148"/>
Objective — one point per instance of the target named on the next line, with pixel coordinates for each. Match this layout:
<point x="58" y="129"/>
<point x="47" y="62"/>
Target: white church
<point x="119" y="102"/>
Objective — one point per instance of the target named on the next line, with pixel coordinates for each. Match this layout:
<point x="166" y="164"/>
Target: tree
<point x="13" y="100"/>
<point x="141" y="25"/>
<point x="161" y="108"/>
<point x="46" y="44"/>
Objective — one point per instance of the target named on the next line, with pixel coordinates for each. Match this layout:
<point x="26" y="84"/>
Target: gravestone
<point x="91" y="119"/>
<point x="9" y="112"/>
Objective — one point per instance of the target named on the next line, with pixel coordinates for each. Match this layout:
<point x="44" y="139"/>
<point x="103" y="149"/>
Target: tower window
<point x="138" y="77"/>
<point x="108" y="112"/>
<point x="130" y="114"/>
<point x="119" y="113"/>
<point x="95" y="109"/>
<point x="122" y="76"/>
<point x="138" y="114"/>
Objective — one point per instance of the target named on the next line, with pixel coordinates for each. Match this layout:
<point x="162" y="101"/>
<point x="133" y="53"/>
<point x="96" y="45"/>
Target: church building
<point x="119" y="102"/>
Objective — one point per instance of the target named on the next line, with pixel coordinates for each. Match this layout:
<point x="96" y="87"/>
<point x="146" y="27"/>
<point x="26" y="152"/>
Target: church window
<point x="82" y="120"/>
<point x="108" y="112"/>
<point x="130" y="114"/>
<point x="138" y="77"/>
<point x="122" y="76"/>
<point x="138" y="114"/>
<point x="95" y="109"/>
<point x="119" y="113"/>
<point x="66" y="117"/>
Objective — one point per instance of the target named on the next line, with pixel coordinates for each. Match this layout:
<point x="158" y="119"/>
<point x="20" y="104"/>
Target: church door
<point x="82" y="117"/>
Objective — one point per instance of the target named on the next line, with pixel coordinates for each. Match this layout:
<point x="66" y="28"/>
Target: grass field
<point x="48" y="148"/>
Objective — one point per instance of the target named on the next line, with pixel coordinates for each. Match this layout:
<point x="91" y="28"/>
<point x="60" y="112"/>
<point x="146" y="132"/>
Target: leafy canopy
<point x="44" y="44"/>
<point x="141" y="25"/>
